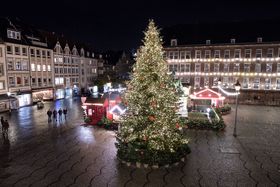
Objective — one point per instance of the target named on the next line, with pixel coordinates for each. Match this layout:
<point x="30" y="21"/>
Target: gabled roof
<point x="206" y="94"/>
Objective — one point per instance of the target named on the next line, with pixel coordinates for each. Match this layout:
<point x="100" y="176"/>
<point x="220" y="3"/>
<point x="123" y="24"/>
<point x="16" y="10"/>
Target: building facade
<point x="4" y="101"/>
<point x="255" y="65"/>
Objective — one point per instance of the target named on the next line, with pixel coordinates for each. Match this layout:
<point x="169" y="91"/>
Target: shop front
<point x="24" y="99"/>
<point x="59" y="94"/>
<point x="6" y="103"/>
<point x="42" y="95"/>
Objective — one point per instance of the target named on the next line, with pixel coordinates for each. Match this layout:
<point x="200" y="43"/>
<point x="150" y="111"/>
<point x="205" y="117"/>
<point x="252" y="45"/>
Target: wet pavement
<point x="68" y="154"/>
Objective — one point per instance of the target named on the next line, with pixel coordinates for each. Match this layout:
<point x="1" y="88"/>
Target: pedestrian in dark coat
<point x="6" y="127"/>
<point x="49" y="113"/>
<point x="54" y="115"/>
<point x="2" y="123"/>
<point x="65" y="112"/>
<point x="60" y="114"/>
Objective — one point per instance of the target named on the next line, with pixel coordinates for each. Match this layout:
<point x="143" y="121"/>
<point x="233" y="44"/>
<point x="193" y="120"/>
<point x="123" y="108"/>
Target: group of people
<point x="5" y="126"/>
<point x="56" y="113"/>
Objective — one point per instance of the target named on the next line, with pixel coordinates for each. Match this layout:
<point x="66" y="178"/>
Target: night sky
<point x="119" y="24"/>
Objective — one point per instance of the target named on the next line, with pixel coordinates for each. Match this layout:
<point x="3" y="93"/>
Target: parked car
<point x="40" y="105"/>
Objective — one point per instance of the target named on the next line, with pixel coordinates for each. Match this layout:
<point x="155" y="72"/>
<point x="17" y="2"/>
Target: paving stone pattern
<point x="68" y="154"/>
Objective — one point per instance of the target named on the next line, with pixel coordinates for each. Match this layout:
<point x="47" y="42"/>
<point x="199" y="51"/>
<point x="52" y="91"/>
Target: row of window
<point x="66" y="51"/>
<point x="13" y="34"/>
<point x="44" y="67"/>
<point x="66" y="70"/>
<point x="17" y="65"/>
<point x="186" y="67"/>
<point x="60" y="80"/>
<point x="217" y="54"/>
<point x="40" y="53"/>
<point x="228" y="82"/>
<point x="41" y="81"/>
<point x="18" y="80"/>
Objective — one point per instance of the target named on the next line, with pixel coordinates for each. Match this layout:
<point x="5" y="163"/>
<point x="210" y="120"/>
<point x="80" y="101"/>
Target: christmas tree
<point x="151" y="131"/>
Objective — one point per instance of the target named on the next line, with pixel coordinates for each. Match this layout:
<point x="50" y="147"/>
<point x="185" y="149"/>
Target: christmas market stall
<point x="206" y="98"/>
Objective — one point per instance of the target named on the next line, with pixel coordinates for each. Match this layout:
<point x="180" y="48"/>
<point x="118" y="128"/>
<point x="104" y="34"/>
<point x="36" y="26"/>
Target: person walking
<point x="54" y="115"/>
<point x="2" y="123"/>
<point x="49" y="113"/>
<point x="6" y="128"/>
<point x="65" y="112"/>
<point x="60" y="114"/>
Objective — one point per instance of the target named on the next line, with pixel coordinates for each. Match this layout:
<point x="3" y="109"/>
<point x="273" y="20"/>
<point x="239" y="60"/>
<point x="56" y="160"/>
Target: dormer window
<point x="259" y="40"/>
<point x="13" y="34"/>
<point x="232" y="41"/>
<point x="174" y="42"/>
<point x="208" y="42"/>
<point x="82" y="52"/>
<point x="87" y="54"/>
<point x="92" y="55"/>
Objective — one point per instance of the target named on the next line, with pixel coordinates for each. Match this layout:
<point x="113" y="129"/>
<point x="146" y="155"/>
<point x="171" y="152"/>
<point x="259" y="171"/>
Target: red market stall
<point x="205" y="99"/>
<point x="97" y="108"/>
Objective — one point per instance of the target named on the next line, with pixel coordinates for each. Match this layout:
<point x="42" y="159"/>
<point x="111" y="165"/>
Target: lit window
<point x="269" y="67"/>
<point x="256" y="83"/>
<point x="257" y="67"/>
<point x="32" y="67"/>
<point x="278" y="84"/>
<point x="267" y="82"/>
<point x="49" y="68"/>
<point x="44" y="67"/>
<point x="38" y="67"/>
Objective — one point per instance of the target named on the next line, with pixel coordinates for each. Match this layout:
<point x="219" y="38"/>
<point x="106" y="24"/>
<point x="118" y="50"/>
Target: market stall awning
<point x="207" y="94"/>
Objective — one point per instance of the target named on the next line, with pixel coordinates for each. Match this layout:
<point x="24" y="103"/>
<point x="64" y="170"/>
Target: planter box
<point x="155" y="166"/>
<point x="128" y="163"/>
<point x="138" y="164"/>
<point x="146" y="165"/>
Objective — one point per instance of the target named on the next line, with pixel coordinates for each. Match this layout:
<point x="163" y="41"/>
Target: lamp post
<point x="237" y="87"/>
<point x="9" y="95"/>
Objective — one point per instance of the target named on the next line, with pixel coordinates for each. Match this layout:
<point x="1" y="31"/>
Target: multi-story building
<point x="88" y="70"/>
<point x="4" y="100"/>
<point x="256" y="65"/>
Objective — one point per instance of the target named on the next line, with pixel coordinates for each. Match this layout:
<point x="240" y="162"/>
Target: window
<point x="236" y="67"/>
<point x="61" y="70"/>
<point x="24" y="65"/>
<point x="17" y="52"/>
<point x="215" y="81"/>
<point x="278" y="67"/>
<point x="38" y="54"/>
<point x="32" y="52"/>
<point x="197" y="67"/>
<point x="48" y="54"/>
<point x="9" y="49"/>
<point x="188" y="67"/>
<point x="197" y="54"/>
<point x="216" y="67"/>
<point x="217" y="54"/>
<point x="49" y="67"/>
<point x="55" y="70"/>
<point x="50" y="81"/>
<point x="227" y="54"/>
<point x="175" y="68"/>
<point x="207" y="54"/>
<point x="208" y="42"/>
<point x="26" y="81"/>
<point x="269" y="53"/>
<point x="256" y="83"/>
<point x="259" y="40"/>
<point x="245" y="83"/>
<point x="237" y="53"/>
<point x="1" y="69"/>
<point x="248" y="53"/>
<point x="269" y="67"/>
<point x="2" y="85"/>
<point x="33" y="67"/>
<point x="171" y="55"/>
<point x="206" y="81"/>
<point x="182" y="68"/>
<point x="1" y="52"/>
<point x="188" y="55"/>
<point x="267" y="82"/>
<point x="197" y="82"/>
<point x="24" y="51"/>
<point x="246" y="68"/>
<point x="33" y="81"/>
<point x="226" y="67"/>
<point x="225" y="82"/>
<point x="45" y="81"/>
<point x="258" y="67"/>
<point x="176" y="56"/>
<point x="10" y="64"/>
<point x="13" y="34"/>
<point x="182" y="55"/>
<point x="44" y="67"/>
<point x="11" y="81"/>
<point x="38" y="67"/>
<point x="44" y="54"/>
<point x="259" y="53"/>
<point x="19" y="81"/>
<point x="18" y="65"/>
<point x="232" y="41"/>
<point x="207" y="67"/>
<point x="39" y="82"/>
<point x="173" y="42"/>
<point x="278" y="84"/>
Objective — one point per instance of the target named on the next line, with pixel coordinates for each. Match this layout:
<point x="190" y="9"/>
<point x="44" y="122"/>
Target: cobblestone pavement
<point x="68" y="154"/>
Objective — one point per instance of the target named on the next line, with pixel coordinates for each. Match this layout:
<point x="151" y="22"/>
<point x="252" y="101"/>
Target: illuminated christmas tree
<point x="151" y="131"/>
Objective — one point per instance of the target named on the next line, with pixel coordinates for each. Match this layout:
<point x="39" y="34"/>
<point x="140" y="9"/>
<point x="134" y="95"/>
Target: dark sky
<point x="119" y="24"/>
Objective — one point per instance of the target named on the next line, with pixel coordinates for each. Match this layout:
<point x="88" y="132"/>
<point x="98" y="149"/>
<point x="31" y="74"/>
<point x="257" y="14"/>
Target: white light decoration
<point x="116" y="107"/>
<point x="228" y="93"/>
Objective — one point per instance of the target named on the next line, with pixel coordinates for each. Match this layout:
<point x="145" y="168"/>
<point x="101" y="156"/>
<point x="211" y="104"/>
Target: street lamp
<point x="237" y="87"/>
